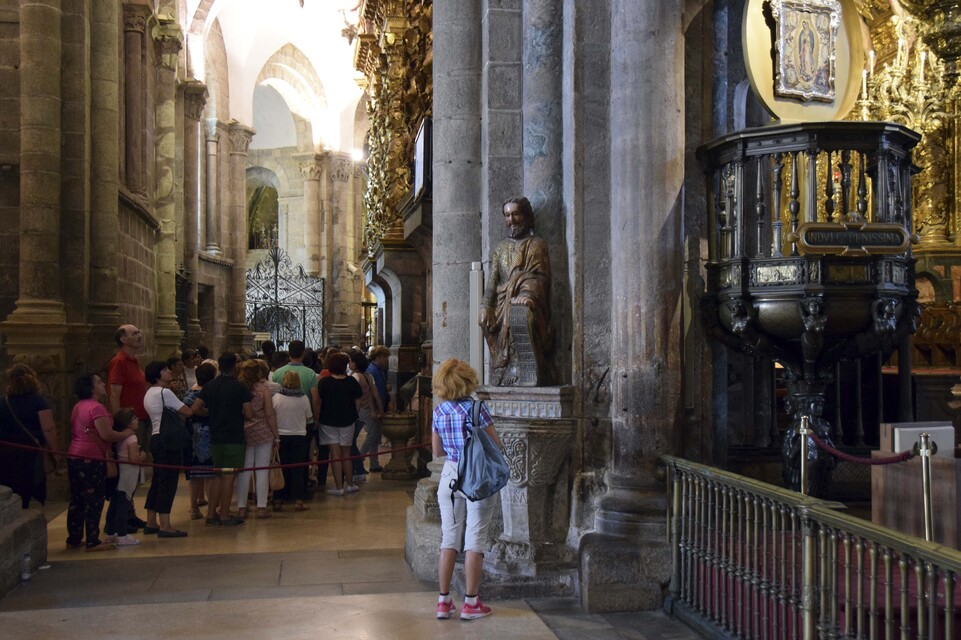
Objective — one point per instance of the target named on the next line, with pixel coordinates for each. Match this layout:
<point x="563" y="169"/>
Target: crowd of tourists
<point x="289" y="406"/>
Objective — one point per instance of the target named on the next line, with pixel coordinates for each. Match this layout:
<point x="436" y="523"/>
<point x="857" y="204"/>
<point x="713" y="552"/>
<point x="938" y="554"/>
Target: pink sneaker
<point x="445" y="609"/>
<point x="479" y="610"/>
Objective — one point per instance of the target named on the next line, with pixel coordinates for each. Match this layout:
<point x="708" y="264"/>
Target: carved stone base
<point x="504" y="585"/>
<point x="618" y="574"/>
<point x="531" y="555"/>
<point x="423" y="525"/>
<point x="21" y="531"/>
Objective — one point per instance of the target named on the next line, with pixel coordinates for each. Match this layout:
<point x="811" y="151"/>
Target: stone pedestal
<point x="423" y="525"/>
<point x="531" y="557"/>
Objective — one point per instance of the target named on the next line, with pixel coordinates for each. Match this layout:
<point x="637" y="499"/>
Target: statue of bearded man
<point x="516" y="310"/>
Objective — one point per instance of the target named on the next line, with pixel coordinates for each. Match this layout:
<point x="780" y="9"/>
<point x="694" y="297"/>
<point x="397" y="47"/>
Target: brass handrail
<point x="798" y="567"/>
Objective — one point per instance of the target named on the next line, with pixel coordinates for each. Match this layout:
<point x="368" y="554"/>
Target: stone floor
<point x="335" y="571"/>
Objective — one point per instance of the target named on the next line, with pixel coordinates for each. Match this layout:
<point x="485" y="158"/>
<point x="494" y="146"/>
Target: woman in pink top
<point x="91" y="432"/>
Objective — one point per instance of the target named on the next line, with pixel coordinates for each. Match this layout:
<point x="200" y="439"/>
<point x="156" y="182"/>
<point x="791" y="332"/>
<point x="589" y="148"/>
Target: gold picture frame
<point x="805" y="39"/>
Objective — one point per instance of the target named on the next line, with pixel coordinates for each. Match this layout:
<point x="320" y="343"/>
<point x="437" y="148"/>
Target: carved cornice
<point x="240" y="137"/>
<point x="169" y="38"/>
<point x="195" y="98"/>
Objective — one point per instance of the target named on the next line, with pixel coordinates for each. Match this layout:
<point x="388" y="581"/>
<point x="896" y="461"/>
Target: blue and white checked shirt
<point x="450" y="422"/>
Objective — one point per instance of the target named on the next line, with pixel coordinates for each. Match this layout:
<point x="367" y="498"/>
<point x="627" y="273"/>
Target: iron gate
<point x="285" y="302"/>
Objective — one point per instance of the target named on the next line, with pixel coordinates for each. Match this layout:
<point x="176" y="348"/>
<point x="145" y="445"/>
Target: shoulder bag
<point x="174" y="434"/>
<point x="482" y="470"/>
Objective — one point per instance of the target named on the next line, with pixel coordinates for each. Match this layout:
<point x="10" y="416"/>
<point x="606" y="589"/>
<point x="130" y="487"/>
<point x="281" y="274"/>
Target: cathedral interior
<point x="166" y="163"/>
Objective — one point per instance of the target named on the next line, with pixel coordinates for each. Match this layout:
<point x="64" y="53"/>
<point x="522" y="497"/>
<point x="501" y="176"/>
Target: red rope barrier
<point x="901" y="457"/>
<point x="177" y="467"/>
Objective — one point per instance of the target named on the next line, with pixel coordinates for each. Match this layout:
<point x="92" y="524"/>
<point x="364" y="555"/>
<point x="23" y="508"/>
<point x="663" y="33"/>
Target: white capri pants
<point x="460" y="518"/>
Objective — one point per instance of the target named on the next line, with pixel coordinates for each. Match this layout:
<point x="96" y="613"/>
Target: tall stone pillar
<point x="212" y="244"/>
<point x="312" y="167"/>
<point x="626" y="563"/>
<point x="134" y="33"/>
<point x="457" y="166"/>
<point x="195" y="97"/>
<point x="168" y="38"/>
<point x="340" y="168"/>
<point x="239" y="336"/>
<point x="35" y="331"/>
<point x="103" y="309"/>
<point x="543" y="143"/>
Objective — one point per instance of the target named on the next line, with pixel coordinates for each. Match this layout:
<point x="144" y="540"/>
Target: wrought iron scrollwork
<point x="285" y="302"/>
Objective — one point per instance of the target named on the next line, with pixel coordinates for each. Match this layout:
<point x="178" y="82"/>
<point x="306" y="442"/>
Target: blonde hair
<point x="248" y="372"/>
<point x="291" y="380"/>
<point x="453" y="380"/>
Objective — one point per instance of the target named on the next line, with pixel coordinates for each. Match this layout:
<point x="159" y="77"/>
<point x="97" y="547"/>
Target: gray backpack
<point x="482" y="470"/>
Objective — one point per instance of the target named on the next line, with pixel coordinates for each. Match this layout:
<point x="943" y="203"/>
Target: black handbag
<point x="174" y="434"/>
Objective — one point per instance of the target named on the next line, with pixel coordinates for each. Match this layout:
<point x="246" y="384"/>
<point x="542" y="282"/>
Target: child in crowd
<point x="121" y="501"/>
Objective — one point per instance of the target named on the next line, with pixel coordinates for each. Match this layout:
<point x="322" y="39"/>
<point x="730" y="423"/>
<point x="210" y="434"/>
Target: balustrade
<point x="755" y="561"/>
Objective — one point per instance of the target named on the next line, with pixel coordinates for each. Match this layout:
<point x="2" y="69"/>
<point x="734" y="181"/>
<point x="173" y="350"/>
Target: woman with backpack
<point x="461" y="520"/>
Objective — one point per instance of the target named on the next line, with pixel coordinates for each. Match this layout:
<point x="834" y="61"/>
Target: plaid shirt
<point x="450" y="422"/>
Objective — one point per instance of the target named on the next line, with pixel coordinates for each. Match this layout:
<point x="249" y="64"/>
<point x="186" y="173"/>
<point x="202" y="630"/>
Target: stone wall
<point x="136" y="254"/>
<point x="21" y="531"/>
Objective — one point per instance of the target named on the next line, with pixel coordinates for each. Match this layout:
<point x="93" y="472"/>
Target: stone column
<point x="312" y="166"/>
<point x="103" y="310"/>
<point x="35" y="331"/>
<point x="340" y="168"/>
<point x="195" y="97"/>
<point x="626" y="563"/>
<point x="457" y="166"/>
<point x="543" y="143"/>
<point x="134" y="31"/>
<point x="213" y="188"/>
<point x="168" y="38"/>
<point x="239" y="336"/>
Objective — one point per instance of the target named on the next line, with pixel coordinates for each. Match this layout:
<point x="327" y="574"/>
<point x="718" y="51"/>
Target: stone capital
<point x="311" y="165"/>
<point x="212" y="129"/>
<point x="135" y="17"/>
<point x="195" y="98"/>
<point x="169" y="39"/>
<point x="240" y="137"/>
<point x="341" y="169"/>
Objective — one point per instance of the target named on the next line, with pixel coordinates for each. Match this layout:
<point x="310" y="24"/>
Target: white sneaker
<point x="127" y="541"/>
<point x="352" y="488"/>
<point x="335" y="492"/>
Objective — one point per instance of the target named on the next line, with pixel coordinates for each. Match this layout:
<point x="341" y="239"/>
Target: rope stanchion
<point x="177" y="467"/>
<point x="840" y="455"/>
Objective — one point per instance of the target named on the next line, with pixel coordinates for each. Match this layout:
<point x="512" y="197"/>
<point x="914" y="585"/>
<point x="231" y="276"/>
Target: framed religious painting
<point x="806" y="36"/>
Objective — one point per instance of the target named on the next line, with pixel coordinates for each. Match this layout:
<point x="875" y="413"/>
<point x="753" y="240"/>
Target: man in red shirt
<point x="127" y="387"/>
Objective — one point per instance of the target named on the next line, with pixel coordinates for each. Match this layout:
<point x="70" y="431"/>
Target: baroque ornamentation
<point x="395" y="54"/>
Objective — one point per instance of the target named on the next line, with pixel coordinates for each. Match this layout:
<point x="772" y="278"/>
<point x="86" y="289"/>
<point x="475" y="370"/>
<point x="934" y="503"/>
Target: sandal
<point x="195" y="514"/>
<point x="300" y="506"/>
<point x="262" y="513"/>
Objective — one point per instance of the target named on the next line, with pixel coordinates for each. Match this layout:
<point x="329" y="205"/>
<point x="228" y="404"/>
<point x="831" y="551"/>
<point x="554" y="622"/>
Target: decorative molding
<point x="218" y="260"/>
<point x="541" y="403"/>
<point x="136" y="204"/>
<point x="169" y="40"/>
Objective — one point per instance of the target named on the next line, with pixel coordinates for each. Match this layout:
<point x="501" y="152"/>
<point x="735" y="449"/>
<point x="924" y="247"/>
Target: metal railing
<point x="751" y="560"/>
